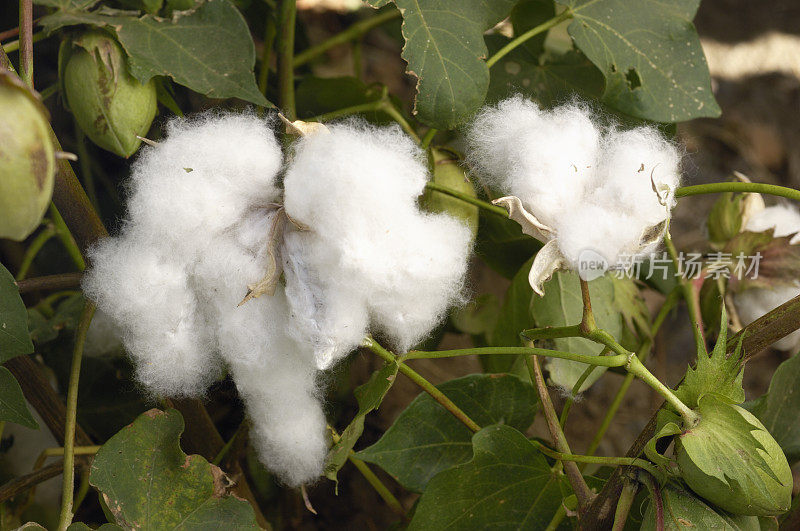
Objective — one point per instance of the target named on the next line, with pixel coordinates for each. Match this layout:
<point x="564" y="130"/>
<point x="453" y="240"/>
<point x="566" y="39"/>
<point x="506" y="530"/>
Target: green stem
<point x="533" y="32"/>
<point x="270" y="31"/>
<point x="596" y="460"/>
<point x="689" y="295"/>
<point x="228" y="445"/>
<point x="587" y="321"/>
<point x="636" y="367"/>
<point x="352" y="33"/>
<point x="761" y="188"/>
<point x="68" y="484"/>
<point x="382" y="105"/>
<point x="601" y="361"/>
<point x="424" y="384"/>
<point x="49" y="91"/>
<point x="378" y="485"/>
<point x="64" y="234"/>
<point x="500" y="211"/>
<point x="287" y="16"/>
<point x="626" y="497"/>
<point x="574" y="476"/>
<point x="33" y="249"/>
<point x="426" y="142"/>
<point x="611" y="413"/>
<point x="561" y="513"/>
<point x="576" y="389"/>
<point x="372" y="479"/>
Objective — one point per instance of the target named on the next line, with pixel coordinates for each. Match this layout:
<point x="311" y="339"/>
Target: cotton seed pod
<point x="730" y="459"/>
<point x="449" y="173"/>
<point x="109" y="104"/>
<point x="27" y="159"/>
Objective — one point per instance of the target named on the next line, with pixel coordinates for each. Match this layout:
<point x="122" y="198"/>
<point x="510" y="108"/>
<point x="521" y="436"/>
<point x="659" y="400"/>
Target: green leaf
<point x="502" y="245"/>
<point x="478" y="317"/>
<point x="445" y="51"/>
<point x="316" y="95"/>
<point x="562" y="305"/>
<point x="508" y="484"/>
<point x="515" y="316"/>
<point x="207" y="49"/>
<point x="12" y="402"/>
<point x="80" y="526"/>
<point x="67" y="4"/>
<point x="779" y="407"/>
<point x="650" y="55"/>
<point x="718" y="373"/>
<point x="683" y="510"/>
<point x="528" y="14"/>
<point x="369" y="396"/>
<point x="149" y="483"/>
<point x="556" y="78"/>
<point x="426" y="439"/>
<point x="14" y="338"/>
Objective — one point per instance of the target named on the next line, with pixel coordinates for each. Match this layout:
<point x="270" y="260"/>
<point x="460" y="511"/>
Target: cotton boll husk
<point x="784" y="219"/>
<point x="631" y="162"/>
<point x="145" y="292"/>
<point x="753" y="303"/>
<point x="198" y="181"/>
<point x="369" y="249"/>
<point x="546" y="158"/>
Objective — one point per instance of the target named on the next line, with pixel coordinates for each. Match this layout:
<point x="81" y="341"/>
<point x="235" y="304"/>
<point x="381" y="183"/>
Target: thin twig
<point x="574" y="476"/>
<point x="51" y="282"/>
<point x="26" y="41"/>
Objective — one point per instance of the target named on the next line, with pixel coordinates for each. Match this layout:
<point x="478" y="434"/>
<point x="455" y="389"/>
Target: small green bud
<point x="109" y="104"/>
<point x="730" y="459"/>
<point x="448" y="173"/>
<point x="27" y="159"/>
<point x="725" y="218"/>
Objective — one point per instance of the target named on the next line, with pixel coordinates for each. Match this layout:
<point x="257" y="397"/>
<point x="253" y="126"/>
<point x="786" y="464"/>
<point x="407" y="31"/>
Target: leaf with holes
<point x="445" y="51"/>
<point x="426" y="439"/>
<point x="147" y="481"/>
<point x="14" y="337"/>
<point x="508" y="484"/>
<point x="650" y="55"/>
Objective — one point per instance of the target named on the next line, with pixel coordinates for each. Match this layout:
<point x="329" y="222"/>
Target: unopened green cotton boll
<point x="449" y="173"/>
<point x="730" y="459"/>
<point x="27" y="160"/>
<point x="109" y="104"/>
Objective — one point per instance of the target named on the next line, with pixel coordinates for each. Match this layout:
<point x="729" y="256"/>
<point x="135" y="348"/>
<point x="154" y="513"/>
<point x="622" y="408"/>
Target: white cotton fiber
<point x="754" y="302"/>
<point x="369" y="255"/>
<point x="593" y="184"/>
<point x="783" y="219"/>
<point x="173" y="279"/>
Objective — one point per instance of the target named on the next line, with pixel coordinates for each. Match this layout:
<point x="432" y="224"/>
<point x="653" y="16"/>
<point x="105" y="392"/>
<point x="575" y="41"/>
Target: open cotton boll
<point x="632" y="163"/>
<point x="753" y="303"/>
<point x="591" y="228"/>
<point x="369" y="252"/>
<point x="145" y="292"/>
<point x="784" y="219"/>
<point x="542" y="157"/>
<point x="199" y="178"/>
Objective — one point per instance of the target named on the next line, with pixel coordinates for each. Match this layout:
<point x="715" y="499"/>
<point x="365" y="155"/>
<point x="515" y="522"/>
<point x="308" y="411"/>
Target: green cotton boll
<point x="449" y="173"/>
<point x="27" y="159"/>
<point x="730" y="459"/>
<point x="109" y="104"/>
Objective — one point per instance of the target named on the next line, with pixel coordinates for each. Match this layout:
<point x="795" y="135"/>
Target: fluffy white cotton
<point x="783" y="219"/>
<point x="369" y="255"/>
<point x="593" y="184"/>
<point x="754" y="302"/>
<point x="173" y="279"/>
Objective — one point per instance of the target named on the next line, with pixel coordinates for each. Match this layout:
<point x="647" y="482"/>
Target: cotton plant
<point x="193" y="280"/>
<point x="753" y="302"/>
<point x="598" y="197"/>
